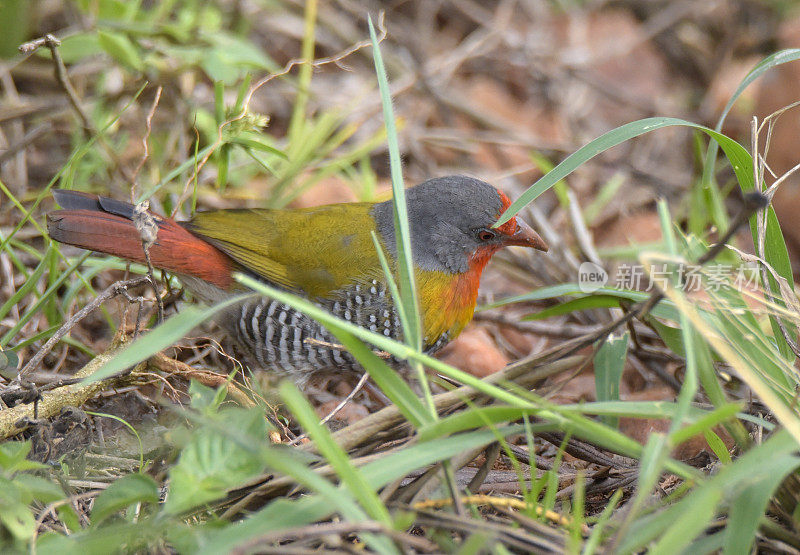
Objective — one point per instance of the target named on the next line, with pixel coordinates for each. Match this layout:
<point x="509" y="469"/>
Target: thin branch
<point x="145" y="139"/>
<point x="111" y="291"/>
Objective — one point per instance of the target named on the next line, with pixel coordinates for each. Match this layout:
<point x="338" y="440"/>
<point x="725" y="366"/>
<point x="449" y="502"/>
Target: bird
<point x="325" y="254"/>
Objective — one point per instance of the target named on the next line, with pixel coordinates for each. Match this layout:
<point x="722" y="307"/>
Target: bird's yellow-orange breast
<point x="447" y="301"/>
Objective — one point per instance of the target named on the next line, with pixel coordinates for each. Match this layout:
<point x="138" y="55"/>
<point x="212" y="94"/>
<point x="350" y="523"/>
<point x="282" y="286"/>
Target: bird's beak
<point x="525" y="236"/>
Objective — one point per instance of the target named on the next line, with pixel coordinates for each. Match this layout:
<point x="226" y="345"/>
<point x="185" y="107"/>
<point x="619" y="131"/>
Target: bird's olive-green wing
<point x="311" y="250"/>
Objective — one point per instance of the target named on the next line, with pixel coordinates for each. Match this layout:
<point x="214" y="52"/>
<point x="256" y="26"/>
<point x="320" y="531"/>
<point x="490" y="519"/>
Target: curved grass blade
<point x="741" y="162"/>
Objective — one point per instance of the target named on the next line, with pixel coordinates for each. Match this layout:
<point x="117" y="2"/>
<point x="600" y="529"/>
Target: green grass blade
<point x="748" y="508"/>
<point x="405" y="263"/>
<point x="37" y="306"/>
<point x="773" y="60"/>
<point x="27" y="287"/>
<point x="690" y="523"/>
<point x="609" y="361"/>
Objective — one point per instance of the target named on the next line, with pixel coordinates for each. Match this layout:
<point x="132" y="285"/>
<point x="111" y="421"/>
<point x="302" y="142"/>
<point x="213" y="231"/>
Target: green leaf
<point x="609" y="361"/>
<point x="717" y="446"/>
<point x="212" y="462"/>
<point x="478" y="417"/>
<point x="123" y="492"/>
<point x="231" y="57"/>
<point x="773" y="60"/>
<point x="284" y="513"/>
<point x="664" y="309"/>
<point x="26" y="288"/>
<point x="36" y="308"/>
<point x="205" y="399"/>
<point x="741" y="162"/>
<point x="581" y="303"/>
<point x="39" y="488"/>
<point x="256" y="143"/>
<point x="17" y="518"/>
<point x="690" y="523"/>
<point x="16" y="17"/>
<point x="121" y="48"/>
<point x="77" y="47"/>
<point x="748" y="508"/>
<point x="681" y="522"/>
<point x="584" y="154"/>
<point x="240" y="51"/>
<point x="13" y="457"/>
<point x="280" y="514"/>
<point x="706" y="422"/>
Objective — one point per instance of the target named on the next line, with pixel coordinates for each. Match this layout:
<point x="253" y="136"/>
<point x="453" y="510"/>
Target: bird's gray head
<point x="451" y="220"/>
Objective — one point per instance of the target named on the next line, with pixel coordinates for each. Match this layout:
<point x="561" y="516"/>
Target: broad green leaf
<point x="16" y="517"/>
<point x="231" y="57"/>
<point x="212" y="462"/>
<point x="121" y="48"/>
<point x="122" y="493"/>
<point x="79" y="46"/>
<point x="41" y="489"/>
<point x="13" y="457"/>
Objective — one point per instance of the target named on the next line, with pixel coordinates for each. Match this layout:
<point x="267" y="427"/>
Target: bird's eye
<point x="486" y="234"/>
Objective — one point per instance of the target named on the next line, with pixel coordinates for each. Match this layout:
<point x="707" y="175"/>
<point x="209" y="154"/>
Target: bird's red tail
<point x="106" y="225"/>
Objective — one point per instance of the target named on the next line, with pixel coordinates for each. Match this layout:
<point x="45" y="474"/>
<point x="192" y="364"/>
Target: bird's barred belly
<point x="287" y="340"/>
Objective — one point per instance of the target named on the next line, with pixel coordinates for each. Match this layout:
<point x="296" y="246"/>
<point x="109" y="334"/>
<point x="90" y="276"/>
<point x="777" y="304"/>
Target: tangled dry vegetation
<point x="146" y="100"/>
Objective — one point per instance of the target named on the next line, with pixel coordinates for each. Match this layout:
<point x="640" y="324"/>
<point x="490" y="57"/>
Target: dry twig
<point x="113" y="290"/>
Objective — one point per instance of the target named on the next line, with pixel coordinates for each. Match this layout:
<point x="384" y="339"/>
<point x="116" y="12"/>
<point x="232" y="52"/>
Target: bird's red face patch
<point x="510" y="227"/>
<point x="482" y="255"/>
